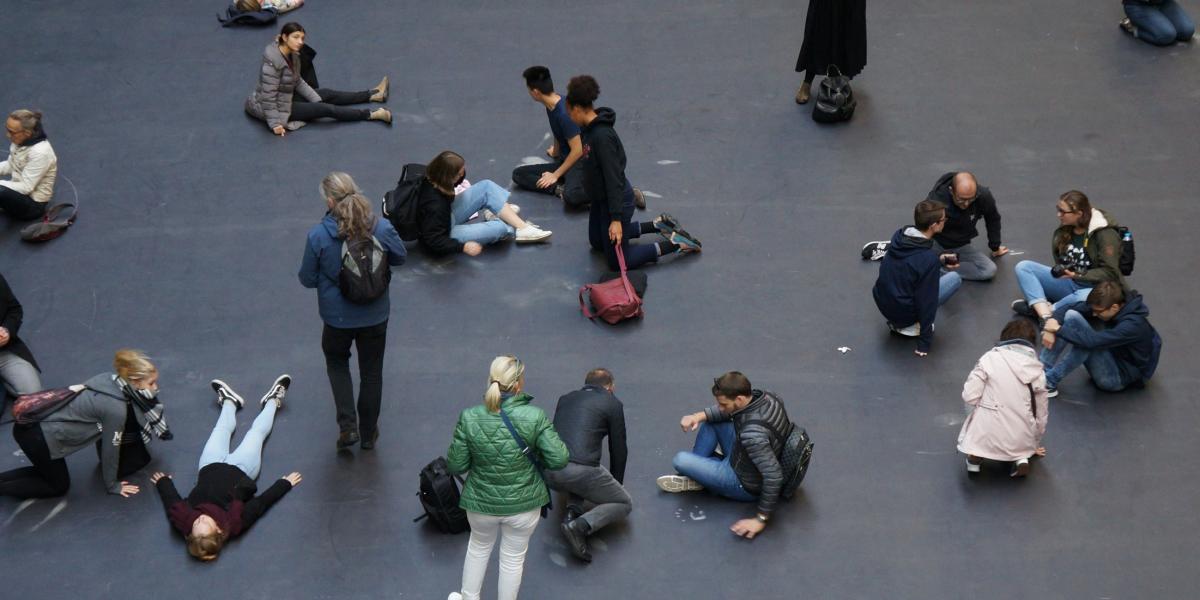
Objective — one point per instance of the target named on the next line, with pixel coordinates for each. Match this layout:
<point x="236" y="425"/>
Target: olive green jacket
<point x="501" y="481"/>
<point x="1103" y="247"/>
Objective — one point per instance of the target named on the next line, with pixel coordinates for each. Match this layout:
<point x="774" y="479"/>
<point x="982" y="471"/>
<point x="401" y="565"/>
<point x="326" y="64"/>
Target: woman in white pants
<point x="504" y="491"/>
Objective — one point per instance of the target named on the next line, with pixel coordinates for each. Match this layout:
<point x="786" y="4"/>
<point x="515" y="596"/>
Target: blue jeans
<point x="947" y="285"/>
<point x="1038" y="285"/>
<point x="1162" y="24"/>
<point x="974" y="263"/>
<point x="711" y="471"/>
<point x="480" y="195"/>
<point x="248" y="456"/>
<point x="1065" y="357"/>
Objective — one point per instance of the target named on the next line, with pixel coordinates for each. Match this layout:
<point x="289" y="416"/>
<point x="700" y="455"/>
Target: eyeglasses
<point x="1064" y="212"/>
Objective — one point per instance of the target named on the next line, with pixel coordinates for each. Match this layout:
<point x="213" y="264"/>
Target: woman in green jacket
<point x="503" y="491"/>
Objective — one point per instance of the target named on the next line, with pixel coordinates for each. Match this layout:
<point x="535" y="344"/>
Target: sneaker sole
<point x="675" y="484"/>
<point x="534" y="240"/>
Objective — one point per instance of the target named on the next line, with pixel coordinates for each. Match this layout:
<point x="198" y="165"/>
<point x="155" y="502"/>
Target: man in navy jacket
<point x="910" y="286"/>
<point x="1109" y="334"/>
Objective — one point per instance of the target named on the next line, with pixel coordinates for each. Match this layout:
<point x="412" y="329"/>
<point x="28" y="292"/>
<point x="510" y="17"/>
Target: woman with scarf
<point x="1006" y="393"/>
<point x="223" y="504"/>
<point x="27" y="176"/>
<point x="119" y="412"/>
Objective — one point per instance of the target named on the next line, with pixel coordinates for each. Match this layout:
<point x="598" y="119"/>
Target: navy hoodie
<point x="1129" y="336"/>
<point x="907" y="289"/>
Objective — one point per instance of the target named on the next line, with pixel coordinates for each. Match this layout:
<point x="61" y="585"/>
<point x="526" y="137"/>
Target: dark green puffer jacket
<point x="501" y="481"/>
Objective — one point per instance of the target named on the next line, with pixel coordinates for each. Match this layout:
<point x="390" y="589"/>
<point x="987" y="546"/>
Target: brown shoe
<point x="381" y="91"/>
<point x="382" y="114"/>
<point x="804" y="93"/>
<point x="639" y="199"/>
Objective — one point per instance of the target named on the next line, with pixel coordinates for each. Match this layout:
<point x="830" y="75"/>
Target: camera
<point x="1057" y="270"/>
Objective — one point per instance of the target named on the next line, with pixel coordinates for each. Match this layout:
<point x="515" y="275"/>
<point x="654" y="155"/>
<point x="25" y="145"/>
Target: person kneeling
<point x="748" y="425"/>
<point x="223" y="505"/>
<point x="1109" y="334"/>
<point x="1007" y="394"/>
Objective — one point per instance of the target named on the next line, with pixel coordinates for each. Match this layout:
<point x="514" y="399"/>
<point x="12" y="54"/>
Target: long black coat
<point x="835" y="33"/>
<point x="11" y="316"/>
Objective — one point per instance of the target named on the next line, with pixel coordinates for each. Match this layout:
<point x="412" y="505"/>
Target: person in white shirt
<point x="27" y="176"/>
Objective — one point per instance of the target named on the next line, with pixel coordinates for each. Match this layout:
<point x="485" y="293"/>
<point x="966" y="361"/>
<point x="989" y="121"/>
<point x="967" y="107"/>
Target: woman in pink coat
<point x="1007" y="392"/>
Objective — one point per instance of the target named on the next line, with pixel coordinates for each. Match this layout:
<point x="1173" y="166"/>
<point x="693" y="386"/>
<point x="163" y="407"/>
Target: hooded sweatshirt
<point x="604" y="162"/>
<point x="31" y="168"/>
<point x="322" y="264"/>
<point x="1007" y="389"/>
<point x="961" y="224"/>
<point x="1129" y="336"/>
<point x="906" y="291"/>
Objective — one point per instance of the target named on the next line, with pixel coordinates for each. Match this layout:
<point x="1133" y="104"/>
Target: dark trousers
<point x="603" y="494"/>
<point x="527" y="176"/>
<point x="19" y="206"/>
<point x="47" y="478"/>
<point x="331" y="106"/>
<point x="599" y="219"/>
<point x="370" y="342"/>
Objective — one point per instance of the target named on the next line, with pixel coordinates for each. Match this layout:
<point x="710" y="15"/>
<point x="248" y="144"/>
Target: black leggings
<point x="331" y="106"/>
<point x="47" y="478"/>
<point x="20" y="206"/>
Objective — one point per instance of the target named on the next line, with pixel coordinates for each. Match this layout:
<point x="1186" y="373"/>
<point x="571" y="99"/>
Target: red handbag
<point x="613" y="300"/>
<point x="32" y="408"/>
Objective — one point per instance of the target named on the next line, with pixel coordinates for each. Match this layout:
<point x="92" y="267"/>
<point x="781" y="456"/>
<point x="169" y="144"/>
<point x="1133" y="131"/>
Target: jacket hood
<point x="330" y="225"/>
<point x="1020" y="358"/>
<point x="1133" y="307"/>
<point x="604" y="116"/>
<point x="908" y="241"/>
<point x="1100" y="220"/>
<point x="942" y="187"/>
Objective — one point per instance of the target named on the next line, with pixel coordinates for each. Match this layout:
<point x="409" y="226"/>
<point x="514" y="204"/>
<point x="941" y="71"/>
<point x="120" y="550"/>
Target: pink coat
<point x="1005" y="387"/>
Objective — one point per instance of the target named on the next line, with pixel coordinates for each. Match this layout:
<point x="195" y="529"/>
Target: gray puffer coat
<point x="278" y="80"/>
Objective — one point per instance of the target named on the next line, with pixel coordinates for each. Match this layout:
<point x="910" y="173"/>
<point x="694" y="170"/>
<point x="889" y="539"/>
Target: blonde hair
<point x="354" y="216"/>
<point x="506" y="373"/>
<point x="133" y="365"/>
<point x="206" y="547"/>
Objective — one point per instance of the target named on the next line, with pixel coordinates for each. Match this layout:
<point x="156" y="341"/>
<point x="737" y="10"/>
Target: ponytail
<point x="353" y="213"/>
<point x="505" y="375"/>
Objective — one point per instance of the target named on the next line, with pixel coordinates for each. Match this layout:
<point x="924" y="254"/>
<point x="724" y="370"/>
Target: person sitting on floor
<point x="909" y="289"/>
<point x="1158" y="22"/>
<point x="966" y="202"/>
<point x="583" y="418"/>
<point x="222" y="505"/>
<point x="27" y="176"/>
<point x="1006" y="393"/>
<point x="444" y="217"/>
<point x="747" y="425"/>
<point x="1110" y="335"/>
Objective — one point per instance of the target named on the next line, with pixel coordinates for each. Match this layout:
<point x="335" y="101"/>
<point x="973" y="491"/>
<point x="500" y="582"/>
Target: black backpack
<point x="794" y="458"/>
<point x="439" y="497"/>
<point x="1128" y="253"/>
<point x="400" y="204"/>
<point x="365" y="273"/>
<point x="834" y="99"/>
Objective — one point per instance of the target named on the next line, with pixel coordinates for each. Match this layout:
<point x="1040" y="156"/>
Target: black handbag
<point x="528" y="452"/>
<point x="834" y="99"/>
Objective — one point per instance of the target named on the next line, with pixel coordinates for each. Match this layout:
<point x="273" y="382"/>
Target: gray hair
<point x="30" y="120"/>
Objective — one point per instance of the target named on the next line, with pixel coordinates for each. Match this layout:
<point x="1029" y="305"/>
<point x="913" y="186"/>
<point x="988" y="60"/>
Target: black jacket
<point x="604" y="162"/>
<point x="756" y="452"/>
<point x="960" y="224"/>
<point x="434" y="220"/>
<point x="583" y="418"/>
<point x="11" y="316"/>
<point x="1129" y="336"/>
<point x="906" y="291"/>
<point x="223" y="492"/>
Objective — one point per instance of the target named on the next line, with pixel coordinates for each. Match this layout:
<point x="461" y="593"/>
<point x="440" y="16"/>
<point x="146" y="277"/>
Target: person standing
<point x="27" y="176"/>
<point x="347" y="324"/>
<point x="504" y="491"/>
<point x="19" y="372"/>
<point x="1006" y="392"/>
<point x="583" y="419"/>
<point x="835" y="33"/>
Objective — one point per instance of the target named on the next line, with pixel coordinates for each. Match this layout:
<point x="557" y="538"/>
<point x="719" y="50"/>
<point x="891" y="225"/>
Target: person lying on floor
<point x="223" y="504"/>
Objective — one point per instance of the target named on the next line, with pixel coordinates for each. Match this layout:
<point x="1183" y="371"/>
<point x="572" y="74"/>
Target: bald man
<point x="966" y="202"/>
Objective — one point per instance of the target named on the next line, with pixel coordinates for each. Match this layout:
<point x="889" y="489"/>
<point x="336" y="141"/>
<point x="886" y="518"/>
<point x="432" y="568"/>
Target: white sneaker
<point x="532" y="233"/>
<point x="678" y="483"/>
<point x="973" y="467"/>
<point x="454" y="596"/>
<point x="913" y="330"/>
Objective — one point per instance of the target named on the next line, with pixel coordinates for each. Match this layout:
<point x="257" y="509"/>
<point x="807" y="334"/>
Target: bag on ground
<point x="365" y="273"/>
<point x="834" y="98"/>
<point x="614" y="300"/>
<point x="439" y="496"/>
<point x="53" y="224"/>
<point x="400" y="204"/>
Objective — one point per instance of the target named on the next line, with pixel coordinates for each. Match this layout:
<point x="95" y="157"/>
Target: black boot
<point x="576" y="532"/>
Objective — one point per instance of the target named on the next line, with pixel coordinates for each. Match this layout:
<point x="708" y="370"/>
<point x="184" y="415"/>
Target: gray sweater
<point x="91" y="416"/>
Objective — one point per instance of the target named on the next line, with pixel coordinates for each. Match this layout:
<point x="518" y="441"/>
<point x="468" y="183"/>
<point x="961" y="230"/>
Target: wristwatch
<point x="762" y="518"/>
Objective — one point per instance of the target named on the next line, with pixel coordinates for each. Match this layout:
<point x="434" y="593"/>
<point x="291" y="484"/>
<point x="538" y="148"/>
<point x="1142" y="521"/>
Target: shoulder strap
<point x="528" y="452"/>
<point x="625" y="273"/>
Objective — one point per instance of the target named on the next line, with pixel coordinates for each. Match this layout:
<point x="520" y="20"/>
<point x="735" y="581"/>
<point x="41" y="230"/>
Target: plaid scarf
<point x="151" y="409"/>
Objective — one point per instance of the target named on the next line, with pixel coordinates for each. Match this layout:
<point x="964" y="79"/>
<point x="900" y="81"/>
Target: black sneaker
<point x="1021" y="307"/>
<point x="226" y="393"/>
<point x="347" y="439"/>
<point x="666" y="224"/>
<point x="874" y="250"/>
<point x="560" y="190"/>
<point x="686" y="241"/>
<point x="639" y="199"/>
<point x="277" y="391"/>
<point x="576" y="532"/>
<point x="368" y="442"/>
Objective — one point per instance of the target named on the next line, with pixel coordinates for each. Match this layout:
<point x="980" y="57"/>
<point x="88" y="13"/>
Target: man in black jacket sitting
<point x="744" y="424"/>
<point x="583" y="418"/>
<point x="966" y="202"/>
